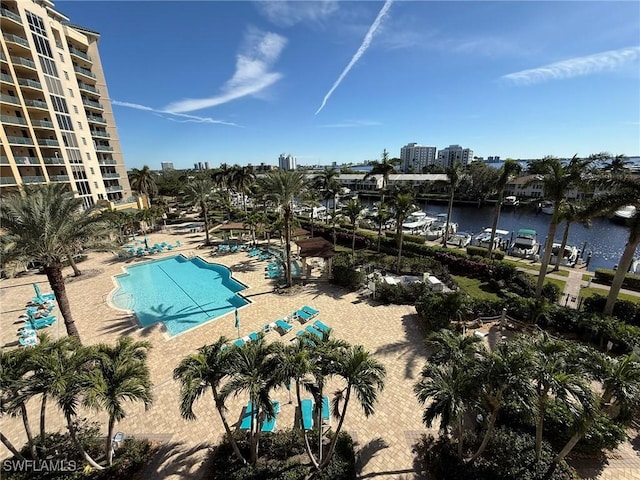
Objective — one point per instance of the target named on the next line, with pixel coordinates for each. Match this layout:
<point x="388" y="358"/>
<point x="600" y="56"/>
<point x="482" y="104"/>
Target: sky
<point x="336" y="81"/>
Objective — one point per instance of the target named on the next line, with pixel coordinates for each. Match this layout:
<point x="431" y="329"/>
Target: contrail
<point x="363" y="48"/>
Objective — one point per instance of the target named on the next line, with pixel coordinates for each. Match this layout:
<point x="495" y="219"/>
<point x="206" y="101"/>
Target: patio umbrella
<point x="238" y="323"/>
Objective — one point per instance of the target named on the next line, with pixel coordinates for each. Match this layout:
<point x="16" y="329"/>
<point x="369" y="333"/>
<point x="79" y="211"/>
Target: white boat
<point x="569" y="256"/>
<point x="510" y="201"/>
<point x="547" y="207"/>
<point x="438" y="226"/>
<point x="499" y="241"/>
<point x="525" y="244"/>
<point x="460" y="239"/>
<point x="417" y="223"/>
<point x="625" y="213"/>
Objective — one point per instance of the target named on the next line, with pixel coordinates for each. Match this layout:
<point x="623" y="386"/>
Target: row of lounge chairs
<point x="303" y="315"/>
<point x="268" y="424"/>
<point x="37" y="316"/>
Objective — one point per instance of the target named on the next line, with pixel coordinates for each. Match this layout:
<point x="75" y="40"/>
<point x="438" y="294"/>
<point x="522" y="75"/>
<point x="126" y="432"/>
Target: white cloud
<point x="162" y="113"/>
<point x="352" y="123"/>
<point x="368" y="38"/>
<point x="575" y="67"/>
<point x="288" y="13"/>
<point x="252" y="75"/>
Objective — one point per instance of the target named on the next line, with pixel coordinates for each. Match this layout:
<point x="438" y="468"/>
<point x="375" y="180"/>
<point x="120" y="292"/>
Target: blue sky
<point x="241" y="82"/>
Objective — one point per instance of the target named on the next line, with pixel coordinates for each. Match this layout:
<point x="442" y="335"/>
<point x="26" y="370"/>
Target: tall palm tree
<point x="254" y="370"/>
<point x="144" y="181"/>
<point x="242" y="178"/>
<point x="450" y="347"/>
<point x="508" y="171"/>
<point x="364" y="377"/>
<point x="454" y="173"/>
<point x="353" y="211"/>
<point x="198" y="191"/>
<point x="381" y="217"/>
<point x="385" y="167"/>
<point x="617" y="165"/>
<point x="571" y="212"/>
<point x="402" y="205"/>
<point x="202" y="370"/>
<point x="284" y="186"/>
<point x="120" y="373"/>
<point x="558" y="179"/>
<point x="327" y="182"/>
<point x="40" y="225"/>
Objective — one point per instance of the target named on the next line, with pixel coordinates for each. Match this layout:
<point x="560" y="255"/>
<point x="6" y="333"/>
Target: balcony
<point x="9" y="99"/>
<point x="16" y="39"/>
<point x="4" y="160"/>
<point x="25" y="82"/>
<point x="59" y="178"/>
<point x="36" y="104"/>
<point x="100" y="134"/>
<point x="96" y="119"/>
<point x="10" y="15"/>
<point x="88" y="88"/>
<point x="115" y="188"/>
<point x="6" y="78"/>
<point x="53" y="161"/>
<point x="42" y="123"/>
<point x="79" y="53"/>
<point x="7" y="181"/>
<point x="12" y="120"/>
<point x="108" y="176"/>
<point x="27" y="160"/>
<point x="20" y="140"/>
<point x="48" y="142"/>
<point x="104" y="148"/>
<point x="37" y="179"/>
<point x="84" y="71"/>
<point x="107" y="162"/>
<point x="25" y="62"/>
<point x="91" y="103"/>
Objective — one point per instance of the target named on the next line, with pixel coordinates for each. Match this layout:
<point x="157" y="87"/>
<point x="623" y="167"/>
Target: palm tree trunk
<point x="540" y="425"/>
<point x="567" y="448"/>
<point x="379" y="235"/>
<point x="108" y="449"/>
<point x="253" y="445"/>
<point x="206" y="224"/>
<point x="400" y="252"/>
<point x="43" y="410"/>
<point x="307" y="446"/>
<point x="72" y="262"/>
<point x="287" y="247"/>
<point x="623" y="266"/>
<point x="220" y="407"/>
<point x="7" y="443"/>
<point x="494" y="225"/>
<point x="334" y="440"/>
<point x="76" y="442"/>
<point x="487" y="436"/>
<point x="353" y="241"/>
<point x="449" y="210"/>
<point x="548" y="245"/>
<point x="54" y="275"/>
<point x="460" y="437"/>
<point x="27" y="429"/>
<point x="565" y="237"/>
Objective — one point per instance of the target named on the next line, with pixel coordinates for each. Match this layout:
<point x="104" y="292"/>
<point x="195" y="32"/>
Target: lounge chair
<point x="307" y="414"/>
<point x="245" y="424"/>
<point x="269" y="424"/>
<point x="43" y="296"/>
<point x="254" y="253"/>
<point x="283" y="326"/>
<point x="326" y="411"/>
<point x="178" y="244"/>
<point x="253" y="336"/>
<point x="302" y="316"/>
<point x="314" y="331"/>
<point x="239" y="342"/>
<point x="28" y="341"/>
<point x="265" y="256"/>
<point x="318" y="325"/>
<point x="310" y="310"/>
<point x="37" y="324"/>
<point x="273" y="274"/>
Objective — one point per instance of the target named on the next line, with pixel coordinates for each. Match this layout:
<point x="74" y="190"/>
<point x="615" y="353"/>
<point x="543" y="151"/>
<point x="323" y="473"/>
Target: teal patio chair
<point x="307" y="414"/>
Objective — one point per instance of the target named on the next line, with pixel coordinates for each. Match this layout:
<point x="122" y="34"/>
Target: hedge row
<point x="631" y="281"/>
<point x="484" y="252"/>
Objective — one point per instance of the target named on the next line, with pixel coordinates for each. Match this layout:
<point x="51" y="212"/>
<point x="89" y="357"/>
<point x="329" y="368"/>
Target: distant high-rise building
<point x="493" y="159"/>
<point x="166" y="165"/>
<point x="57" y="122"/>
<point x="206" y="165"/>
<point x="287" y="162"/>
<point x="454" y="154"/>
<point x="416" y="157"/>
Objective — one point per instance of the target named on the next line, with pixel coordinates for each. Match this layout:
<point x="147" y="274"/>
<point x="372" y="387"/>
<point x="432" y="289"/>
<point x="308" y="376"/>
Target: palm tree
<point x="382" y="216"/>
<point x="353" y="212"/>
<point x="254" y="369"/>
<point x="242" y="178"/>
<point x="120" y="373"/>
<point x="284" y="186"/>
<point x="327" y="182"/>
<point x="557" y="179"/>
<point x="571" y="212"/>
<point x="385" y="167"/>
<point x="144" y="181"/>
<point x="40" y="226"/>
<point x="454" y="172"/>
<point x="451" y="347"/>
<point x="202" y="370"/>
<point x="364" y="377"/>
<point x="618" y="165"/>
<point x="403" y="205"/>
<point x="198" y="191"/>
<point x="510" y="169"/>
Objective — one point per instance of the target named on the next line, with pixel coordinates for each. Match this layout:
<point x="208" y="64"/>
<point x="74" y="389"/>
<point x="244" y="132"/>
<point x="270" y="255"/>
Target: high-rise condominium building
<point x="56" y="122"/>
<point x="454" y="154"/>
<point x="415" y="157"/>
<point x="287" y="162"/>
<point x="166" y="165"/>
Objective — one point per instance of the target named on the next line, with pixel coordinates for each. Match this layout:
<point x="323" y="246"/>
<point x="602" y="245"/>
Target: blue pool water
<point x="180" y="292"/>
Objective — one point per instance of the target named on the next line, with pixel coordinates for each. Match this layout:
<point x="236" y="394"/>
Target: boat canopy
<point x="498" y="231"/>
<point x="525" y="232"/>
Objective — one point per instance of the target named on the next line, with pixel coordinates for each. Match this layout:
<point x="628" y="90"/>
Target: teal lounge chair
<point x="43" y="296"/>
<point x="239" y="342"/>
<point x="307" y="414"/>
<point x="28" y="341"/>
<point x="245" y="424"/>
<point x="37" y="324"/>
<point x="284" y="326"/>
<point x="326" y="411"/>
<point x="302" y="316"/>
<point x="253" y="336"/>
<point x="314" y="331"/>
<point x="269" y="424"/>
<point x="273" y="274"/>
<point x="318" y="325"/>
<point x="310" y="310"/>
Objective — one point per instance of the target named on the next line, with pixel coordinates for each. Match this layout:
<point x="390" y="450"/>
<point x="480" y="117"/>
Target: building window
<point x="88" y="156"/>
<point x="61" y="56"/>
<point x="92" y="171"/>
<point x="79" y="125"/>
<point x="66" y="75"/>
<point x="75" y="109"/>
<point x="71" y="92"/>
<point x="95" y="184"/>
<point x="64" y="122"/>
<point x="84" y="141"/>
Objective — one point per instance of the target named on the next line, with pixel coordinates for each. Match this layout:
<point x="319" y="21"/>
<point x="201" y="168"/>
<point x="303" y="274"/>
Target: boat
<point x="438" y="226"/>
<point x="417" y="223"/>
<point x="625" y="214"/>
<point x="525" y="244"/>
<point x="499" y="241"/>
<point x="510" y="201"/>
<point x="569" y="256"/>
<point x="460" y="239"/>
<point x="547" y="207"/>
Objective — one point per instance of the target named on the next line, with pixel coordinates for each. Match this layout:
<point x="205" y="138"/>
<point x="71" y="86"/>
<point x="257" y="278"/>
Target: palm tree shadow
<point x="412" y="348"/>
<point x="369" y="451"/>
<point x="172" y="458"/>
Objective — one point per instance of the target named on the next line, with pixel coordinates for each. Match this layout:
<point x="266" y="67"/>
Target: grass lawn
<point x="535" y="268"/>
<point x="586" y="292"/>
<point x="559" y="283"/>
<point x="586" y="277"/>
<point x="475" y="288"/>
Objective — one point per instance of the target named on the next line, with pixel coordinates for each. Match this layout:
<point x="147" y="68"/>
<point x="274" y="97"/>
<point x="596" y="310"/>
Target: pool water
<point x="180" y="292"/>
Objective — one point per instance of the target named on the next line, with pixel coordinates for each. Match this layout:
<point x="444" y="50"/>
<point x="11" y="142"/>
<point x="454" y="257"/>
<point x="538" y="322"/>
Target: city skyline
<point x="341" y="81"/>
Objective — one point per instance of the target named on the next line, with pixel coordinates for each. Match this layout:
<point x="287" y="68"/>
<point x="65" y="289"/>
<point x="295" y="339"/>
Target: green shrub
<point x="401" y="294"/>
<point x="623" y="310"/>
<point x="437" y="310"/>
<point x="484" y="252"/>
<point x="346" y="272"/>
<point x="604" y="275"/>
<point x="551" y="292"/>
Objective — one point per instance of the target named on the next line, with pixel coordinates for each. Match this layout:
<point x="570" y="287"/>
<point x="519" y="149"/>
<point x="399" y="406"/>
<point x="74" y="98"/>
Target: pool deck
<point x="392" y="333"/>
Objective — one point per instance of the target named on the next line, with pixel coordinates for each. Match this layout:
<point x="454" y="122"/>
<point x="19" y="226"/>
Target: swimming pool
<point x="180" y="292"/>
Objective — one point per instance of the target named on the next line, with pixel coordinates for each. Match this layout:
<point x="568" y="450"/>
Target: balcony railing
<point x="84" y="71"/>
<point x="48" y="142"/>
<point x="91" y="103"/>
<point x="96" y="119"/>
<point x="25" y="82"/>
<point x="79" y="53"/>
<point x="36" y="104"/>
<point x="88" y="88"/>
<point x="107" y="162"/>
<point x="53" y="161"/>
<point x="6" y="78"/>
<point x="4" y="160"/>
<point x="110" y="175"/>
<point x="23" y="61"/>
<point x="36" y="179"/>
<point x="7" y="181"/>
<point x="115" y="188"/>
<point x="100" y="134"/>
<point x="27" y="160"/>
<point x="9" y="14"/>
<point x="9" y="99"/>
<point x="20" y="140"/>
<point x="104" y="148"/>
<point x="16" y="39"/>
<point x="42" y="123"/>
<point x="59" y="178"/>
<point x="13" y="120"/>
